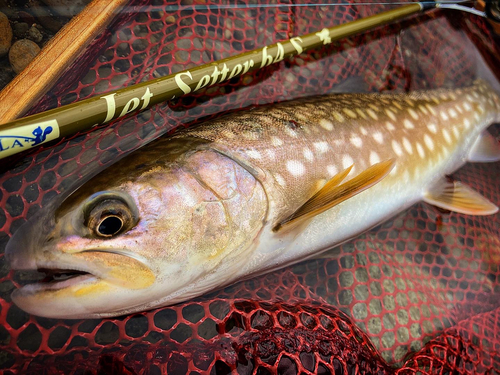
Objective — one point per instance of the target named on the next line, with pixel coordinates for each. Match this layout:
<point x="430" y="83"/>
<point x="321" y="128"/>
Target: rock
<point x="21" y="53"/>
<point x="20" y="29"/>
<point x="5" y="34"/>
<point x="45" y="16"/>
<point x="67" y="8"/>
<point x="34" y="34"/>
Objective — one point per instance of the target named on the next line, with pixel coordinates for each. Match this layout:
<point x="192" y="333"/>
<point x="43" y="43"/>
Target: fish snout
<point x="30" y="242"/>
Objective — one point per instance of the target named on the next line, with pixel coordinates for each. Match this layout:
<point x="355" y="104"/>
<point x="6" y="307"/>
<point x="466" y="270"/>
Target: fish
<point x="249" y="193"/>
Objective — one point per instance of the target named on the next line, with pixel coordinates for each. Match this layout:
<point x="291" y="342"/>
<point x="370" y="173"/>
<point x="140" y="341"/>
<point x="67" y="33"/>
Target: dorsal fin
<point x="455" y="196"/>
<point x="332" y="193"/>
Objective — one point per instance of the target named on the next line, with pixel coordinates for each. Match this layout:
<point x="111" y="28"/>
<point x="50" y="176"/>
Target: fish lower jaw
<point x="54" y="285"/>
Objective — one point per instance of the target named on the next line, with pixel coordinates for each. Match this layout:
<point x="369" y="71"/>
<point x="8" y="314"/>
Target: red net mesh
<point x="420" y="294"/>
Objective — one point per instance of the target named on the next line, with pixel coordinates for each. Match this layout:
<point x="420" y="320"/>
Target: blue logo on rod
<point x="13" y="141"/>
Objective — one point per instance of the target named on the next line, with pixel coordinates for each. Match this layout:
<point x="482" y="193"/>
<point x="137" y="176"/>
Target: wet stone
<point x="177" y="364"/>
<point x="389" y="321"/>
<point x="31" y="193"/>
<point x="22" y="53"/>
<point x="30" y="338"/>
<point x="402" y="299"/>
<point x="374" y="326"/>
<point x="345" y="297"/>
<point x="4" y="336"/>
<point x="388" y="339"/>
<point x="3" y="219"/>
<point x="375" y="306"/>
<point x="7" y="360"/>
<point x="108" y="333"/>
<point x="165" y="319"/>
<point x="207" y="329"/>
<point x="48" y="180"/>
<point x="402" y="317"/>
<point x="34" y="34"/>
<point x="14" y="205"/>
<point x="136" y="326"/>
<point x="347" y="262"/>
<point x="193" y="313"/>
<point x="361" y="293"/>
<point x="5" y="34"/>
<point x="287" y="320"/>
<point x="16" y="317"/>
<point x="78" y="341"/>
<point x="346" y="279"/>
<point x="58" y="337"/>
<point x="13" y="184"/>
<point x="375" y="288"/>
<point x="181" y="333"/>
<point x="359" y="311"/>
<point x="219" y="309"/>
<point x="287" y="366"/>
<point x="416" y="330"/>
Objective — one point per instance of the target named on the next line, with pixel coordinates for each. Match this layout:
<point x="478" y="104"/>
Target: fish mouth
<point x="58" y="277"/>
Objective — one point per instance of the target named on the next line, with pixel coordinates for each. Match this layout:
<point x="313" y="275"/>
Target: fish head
<point x="123" y="244"/>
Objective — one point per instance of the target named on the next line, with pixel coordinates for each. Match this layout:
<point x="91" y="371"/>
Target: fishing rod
<point x="34" y="130"/>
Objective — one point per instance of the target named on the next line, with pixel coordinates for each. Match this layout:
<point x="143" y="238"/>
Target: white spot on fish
<point x="467" y="107"/>
<point x="374" y="158"/>
<point x="325" y="124"/>
<point x="423" y="109"/>
<point x="390" y="114"/>
<point x="432" y="128"/>
<point x="356" y="141"/>
<point x="396" y="104"/>
<point x="338" y="117"/>
<point x="292" y="133"/>
<point x="420" y="150"/>
<point x="347" y="161"/>
<point x="308" y="154"/>
<point x="332" y="170"/>
<point x="410" y="102"/>
<point x="379" y="138"/>
<point x="279" y="179"/>
<point x="446" y="136"/>
<point x="459" y="109"/>
<point x="390" y="126"/>
<point x="456" y="132"/>
<point x="363" y="130"/>
<point x="467" y="123"/>
<point x="349" y="113"/>
<point x="435" y="99"/>
<point x="428" y="142"/>
<point x="321" y="147"/>
<point x="254" y="154"/>
<point x="397" y="148"/>
<point x="408" y="124"/>
<point x="407" y="145"/>
<point x="374" y="107"/>
<point x="276" y="142"/>
<point x="413" y="114"/>
<point x="452" y="113"/>
<point x="372" y="114"/>
<point x="431" y="110"/>
<point x="443" y="115"/>
<point x="271" y="154"/>
<point x="361" y="113"/>
<point x="295" y="167"/>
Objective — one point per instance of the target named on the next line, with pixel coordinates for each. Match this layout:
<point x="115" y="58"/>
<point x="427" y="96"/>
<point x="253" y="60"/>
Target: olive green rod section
<point x="27" y="132"/>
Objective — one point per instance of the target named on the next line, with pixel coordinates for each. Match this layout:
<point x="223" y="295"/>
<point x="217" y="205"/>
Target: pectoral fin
<point x="333" y="193"/>
<point x="455" y="196"/>
<point x="485" y="149"/>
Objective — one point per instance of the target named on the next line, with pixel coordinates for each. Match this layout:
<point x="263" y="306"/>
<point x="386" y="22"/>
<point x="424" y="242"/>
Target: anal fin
<point x="455" y="196"/>
<point x="334" y="193"/>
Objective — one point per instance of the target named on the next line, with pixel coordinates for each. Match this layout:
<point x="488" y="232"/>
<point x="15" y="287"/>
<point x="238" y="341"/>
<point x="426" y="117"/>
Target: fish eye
<point x="110" y="226"/>
<point x="108" y="216"/>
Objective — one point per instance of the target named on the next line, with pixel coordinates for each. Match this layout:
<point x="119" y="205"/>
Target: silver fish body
<point x="208" y="206"/>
